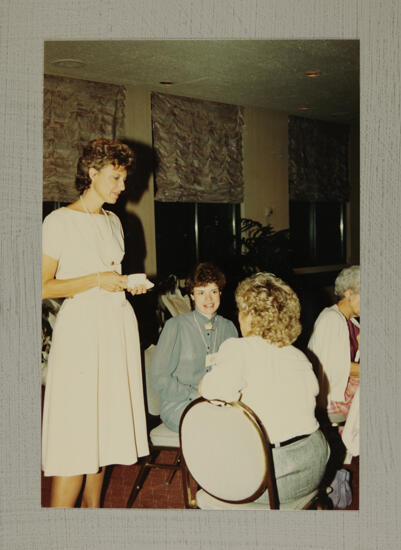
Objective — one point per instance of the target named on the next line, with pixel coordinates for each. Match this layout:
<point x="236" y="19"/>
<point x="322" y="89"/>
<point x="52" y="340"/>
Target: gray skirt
<point x="171" y="411"/>
<point x="299" y="467"/>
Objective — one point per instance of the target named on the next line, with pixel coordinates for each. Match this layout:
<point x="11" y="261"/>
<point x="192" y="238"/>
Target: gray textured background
<point x="24" y="25"/>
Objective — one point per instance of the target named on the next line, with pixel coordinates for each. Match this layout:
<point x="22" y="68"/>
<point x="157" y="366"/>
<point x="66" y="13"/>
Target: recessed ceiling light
<point x="303" y="108"/>
<point x="68" y="63"/>
<point x="166" y="83"/>
<point x="313" y="74"/>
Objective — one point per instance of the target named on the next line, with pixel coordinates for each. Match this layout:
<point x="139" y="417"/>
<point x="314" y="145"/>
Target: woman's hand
<point x="112" y="281"/>
<point x="137" y="289"/>
<point x="355" y="370"/>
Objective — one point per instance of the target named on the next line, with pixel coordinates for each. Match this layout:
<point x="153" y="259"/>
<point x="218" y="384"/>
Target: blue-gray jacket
<point x="178" y="363"/>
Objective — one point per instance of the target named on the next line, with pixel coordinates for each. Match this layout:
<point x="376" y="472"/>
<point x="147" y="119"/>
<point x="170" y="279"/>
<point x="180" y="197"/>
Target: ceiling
<point x="269" y="74"/>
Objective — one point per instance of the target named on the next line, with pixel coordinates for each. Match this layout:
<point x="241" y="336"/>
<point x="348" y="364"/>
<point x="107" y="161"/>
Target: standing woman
<point x="94" y="411"/>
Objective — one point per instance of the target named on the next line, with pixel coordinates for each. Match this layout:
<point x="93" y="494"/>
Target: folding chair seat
<point x="207" y="502"/>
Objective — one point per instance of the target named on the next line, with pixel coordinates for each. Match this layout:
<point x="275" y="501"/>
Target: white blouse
<point x="278" y="384"/>
<point x="330" y="344"/>
<point x="83" y="243"/>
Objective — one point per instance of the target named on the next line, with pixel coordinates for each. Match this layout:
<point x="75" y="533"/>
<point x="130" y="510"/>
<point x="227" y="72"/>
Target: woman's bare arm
<point x="354" y="371"/>
<point x="65" y="288"/>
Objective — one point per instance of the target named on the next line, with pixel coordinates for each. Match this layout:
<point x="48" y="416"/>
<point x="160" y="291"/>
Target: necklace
<point x="203" y="338"/>
<point x="91" y="216"/>
<point x="98" y="232"/>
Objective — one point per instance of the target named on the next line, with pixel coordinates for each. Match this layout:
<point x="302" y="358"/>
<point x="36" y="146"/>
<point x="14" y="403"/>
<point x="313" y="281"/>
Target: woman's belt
<point x="288" y="441"/>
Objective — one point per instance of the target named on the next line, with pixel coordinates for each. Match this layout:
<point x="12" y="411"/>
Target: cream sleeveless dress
<point x="94" y="412"/>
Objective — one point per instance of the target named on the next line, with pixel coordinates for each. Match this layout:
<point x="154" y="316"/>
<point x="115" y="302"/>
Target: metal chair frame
<point x="320" y="501"/>
<point x="149" y="462"/>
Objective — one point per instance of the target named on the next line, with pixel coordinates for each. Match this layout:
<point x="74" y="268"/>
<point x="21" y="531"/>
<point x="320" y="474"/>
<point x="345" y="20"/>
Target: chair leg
<point x="324" y="501"/>
<point x="176" y="462"/>
<point x="106" y="483"/>
<point x="140" y="478"/>
<point x="189" y="500"/>
<point x="150" y="462"/>
<point x="320" y="502"/>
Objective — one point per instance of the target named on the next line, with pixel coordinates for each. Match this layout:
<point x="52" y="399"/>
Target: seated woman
<point x="275" y="380"/>
<point x="335" y="345"/>
<point x="188" y="343"/>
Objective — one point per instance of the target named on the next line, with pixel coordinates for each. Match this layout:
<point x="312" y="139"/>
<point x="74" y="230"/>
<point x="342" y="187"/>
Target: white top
<point x="94" y="412"/>
<point x="69" y="237"/>
<point x="350" y="434"/>
<point x="278" y="384"/>
<point x="331" y="346"/>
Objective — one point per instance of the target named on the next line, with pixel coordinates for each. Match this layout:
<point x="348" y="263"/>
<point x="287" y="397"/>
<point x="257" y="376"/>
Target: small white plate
<point x="136" y="279"/>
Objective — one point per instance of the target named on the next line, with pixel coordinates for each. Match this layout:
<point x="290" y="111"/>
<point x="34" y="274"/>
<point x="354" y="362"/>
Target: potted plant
<point x="264" y="249"/>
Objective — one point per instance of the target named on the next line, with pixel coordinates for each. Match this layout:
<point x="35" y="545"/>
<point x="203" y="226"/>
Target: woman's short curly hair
<point x="204" y="274"/>
<point x="274" y="308"/>
<point x="97" y="154"/>
<point x="348" y="278"/>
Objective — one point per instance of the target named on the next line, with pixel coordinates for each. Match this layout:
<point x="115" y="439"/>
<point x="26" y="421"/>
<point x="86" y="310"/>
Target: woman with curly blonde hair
<point x="275" y="380"/>
<point x="274" y="308"/>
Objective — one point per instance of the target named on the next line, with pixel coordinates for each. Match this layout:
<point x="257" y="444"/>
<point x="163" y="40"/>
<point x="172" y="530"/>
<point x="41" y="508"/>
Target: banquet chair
<point x="161" y="439"/>
<point x="176" y="303"/>
<point x="227" y="452"/>
<point x="171" y="301"/>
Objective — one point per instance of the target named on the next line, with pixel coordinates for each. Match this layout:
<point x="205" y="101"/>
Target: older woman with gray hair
<point x="335" y="345"/>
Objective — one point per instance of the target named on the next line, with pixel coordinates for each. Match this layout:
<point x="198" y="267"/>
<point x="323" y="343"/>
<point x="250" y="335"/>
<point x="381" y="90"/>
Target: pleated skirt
<point x="94" y="413"/>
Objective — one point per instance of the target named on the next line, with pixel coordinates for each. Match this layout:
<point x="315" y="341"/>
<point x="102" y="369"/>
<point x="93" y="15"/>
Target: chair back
<point x="176" y="303"/>
<point x="152" y="397"/>
<point x="227" y="451"/>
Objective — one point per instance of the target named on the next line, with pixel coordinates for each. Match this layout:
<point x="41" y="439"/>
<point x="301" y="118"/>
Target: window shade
<point x="74" y="112"/>
<point x="318" y="160"/>
<point x="198" y="145"/>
